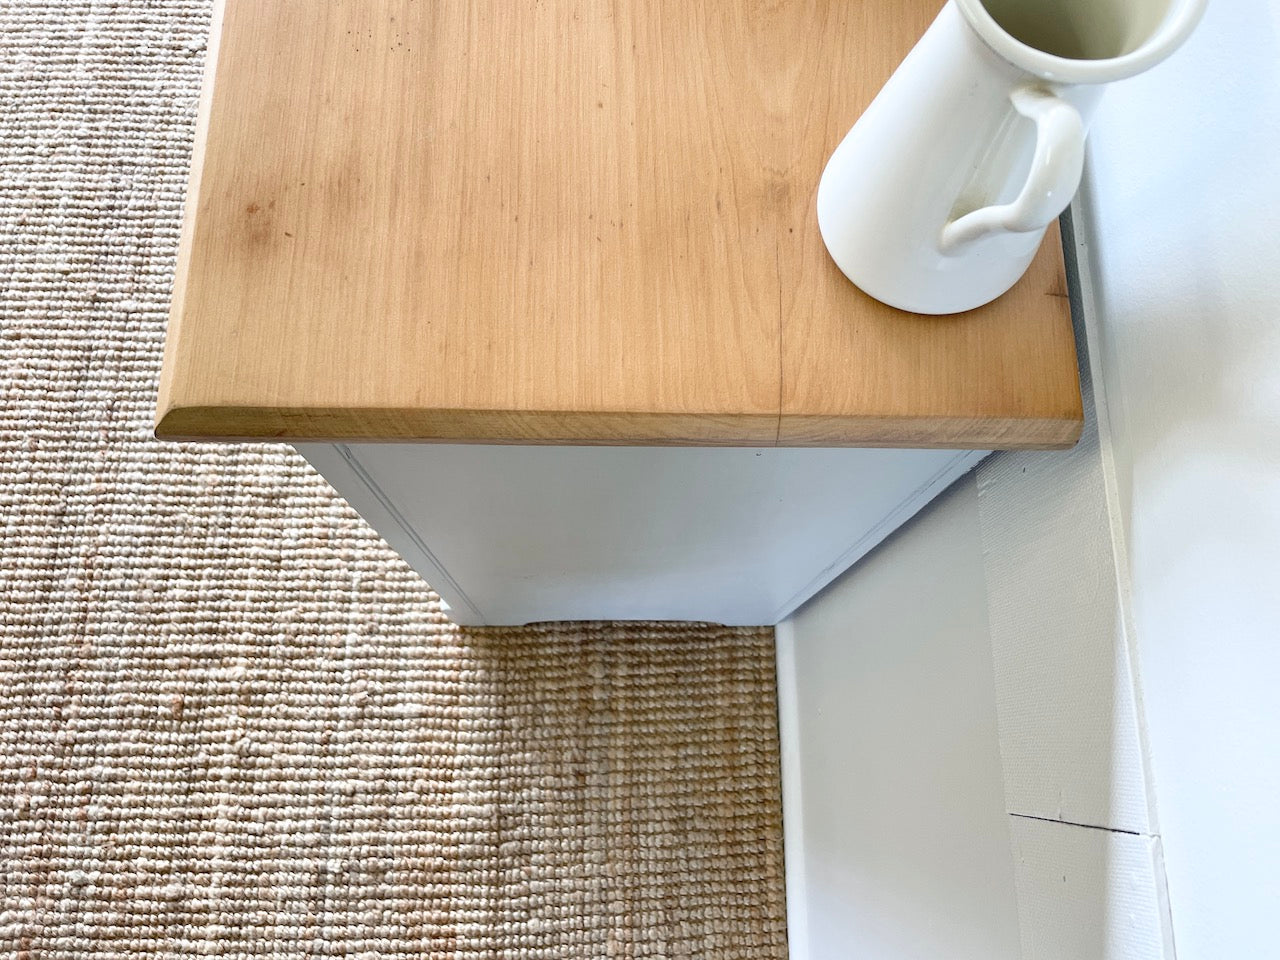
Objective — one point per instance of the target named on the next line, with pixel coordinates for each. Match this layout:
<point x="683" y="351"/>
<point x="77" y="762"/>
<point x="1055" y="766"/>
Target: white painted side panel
<point x="1186" y="233"/>
<point x="897" y="841"/>
<point x="335" y="463"/>
<point x="1070" y="734"/>
<point x="511" y="534"/>
<point x="1089" y="894"/>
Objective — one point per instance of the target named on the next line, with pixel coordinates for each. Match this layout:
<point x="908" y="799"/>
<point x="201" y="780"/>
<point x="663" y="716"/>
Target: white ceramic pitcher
<point x="937" y="200"/>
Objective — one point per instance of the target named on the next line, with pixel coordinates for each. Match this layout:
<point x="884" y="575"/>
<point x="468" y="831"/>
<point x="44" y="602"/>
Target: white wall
<point x="1133" y="585"/>
<point x="896" y="838"/>
<point x="1184" y="221"/>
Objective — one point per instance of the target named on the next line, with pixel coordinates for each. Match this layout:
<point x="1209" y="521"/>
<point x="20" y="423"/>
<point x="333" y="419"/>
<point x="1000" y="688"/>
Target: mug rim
<point x="1170" y="34"/>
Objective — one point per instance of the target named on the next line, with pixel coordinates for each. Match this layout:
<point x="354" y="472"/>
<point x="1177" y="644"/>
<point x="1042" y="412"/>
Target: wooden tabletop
<point x="568" y="221"/>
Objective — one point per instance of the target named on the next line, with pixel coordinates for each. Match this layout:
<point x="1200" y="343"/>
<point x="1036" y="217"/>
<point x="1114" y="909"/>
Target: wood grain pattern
<point x="567" y="221"/>
<point x="853" y="366"/>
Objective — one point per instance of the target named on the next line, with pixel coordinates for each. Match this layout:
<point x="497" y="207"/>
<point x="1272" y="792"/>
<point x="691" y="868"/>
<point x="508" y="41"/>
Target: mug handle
<point x="1054" y="177"/>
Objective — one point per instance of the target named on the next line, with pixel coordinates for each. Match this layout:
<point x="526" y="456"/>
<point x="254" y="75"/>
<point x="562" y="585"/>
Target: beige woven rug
<point x="232" y="723"/>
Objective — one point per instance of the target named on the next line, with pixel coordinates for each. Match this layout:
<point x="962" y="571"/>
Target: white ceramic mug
<point x="937" y="200"/>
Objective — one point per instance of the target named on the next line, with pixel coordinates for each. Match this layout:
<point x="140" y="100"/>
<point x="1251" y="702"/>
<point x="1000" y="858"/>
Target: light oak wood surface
<point x="568" y="221"/>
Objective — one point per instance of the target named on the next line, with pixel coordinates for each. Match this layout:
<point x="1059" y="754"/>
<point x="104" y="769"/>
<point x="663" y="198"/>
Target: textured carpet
<point x="232" y="722"/>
